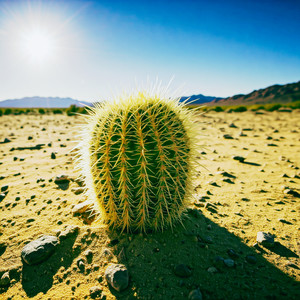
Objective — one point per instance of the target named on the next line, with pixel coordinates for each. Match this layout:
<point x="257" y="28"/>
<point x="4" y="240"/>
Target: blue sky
<point x="93" y="49"/>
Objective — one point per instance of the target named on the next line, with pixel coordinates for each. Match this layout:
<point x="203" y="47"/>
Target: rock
<point x="6" y="140"/>
<point x="228" y="180"/>
<point x="5" y="279"/>
<point x="3" y="247"/>
<point x="107" y="254"/>
<point x="95" y="291"/>
<point x="4" y="188"/>
<point x="227" y="137"/>
<point x="82" y="207"/>
<point x="39" y="250"/>
<point x="285" y="221"/>
<point x="232" y="253"/>
<point x="78" y="190"/>
<point x="239" y="158"/>
<point x="219" y="261"/>
<point x="292" y="265"/>
<point x="195" y="295"/>
<point x="2" y="196"/>
<point x="228" y="262"/>
<point x="226" y="174"/>
<point x="62" y="179"/>
<point x="210" y="207"/>
<point x="247" y="129"/>
<point x="251" y="259"/>
<point x="79" y="181"/>
<point x="212" y="270"/>
<point x="69" y="231"/>
<point x="265" y="239"/>
<point x="53" y="156"/>
<point x="117" y="276"/>
<point x="88" y="253"/>
<point x="213" y="183"/>
<point x="80" y="264"/>
<point x="292" y="192"/>
<point x="182" y="270"/>
<point x="207" y="239"/>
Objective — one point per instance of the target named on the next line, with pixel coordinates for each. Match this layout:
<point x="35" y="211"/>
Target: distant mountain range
<point x="46" y="102"/>
<point x="199" y="99"/>
<point x="273" y="94"/>
<point x="56" y="102"/>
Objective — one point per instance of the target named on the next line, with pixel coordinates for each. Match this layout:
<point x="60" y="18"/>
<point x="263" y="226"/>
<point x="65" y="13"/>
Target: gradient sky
<point x="100" y="48"/>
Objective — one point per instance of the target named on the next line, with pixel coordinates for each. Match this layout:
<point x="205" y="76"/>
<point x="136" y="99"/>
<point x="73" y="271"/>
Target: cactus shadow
<point x="202" y="245"/>
<point x="39" y="278"/>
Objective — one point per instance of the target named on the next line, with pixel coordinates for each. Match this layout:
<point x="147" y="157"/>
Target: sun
<point x="38" y="45"/>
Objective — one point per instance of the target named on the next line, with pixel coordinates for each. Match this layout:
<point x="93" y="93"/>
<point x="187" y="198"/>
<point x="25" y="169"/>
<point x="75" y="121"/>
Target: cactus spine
<point x="137" y="156"/>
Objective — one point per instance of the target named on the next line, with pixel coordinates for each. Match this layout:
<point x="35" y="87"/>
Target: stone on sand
<point x="182" y="270"/>
<point x="39" y="250"/>
<point x="61" y="179"/>
<point x="78" y="190"/>
<point x="5" y="279"/>
<point x="239" y="158"/>
<point x="195" y="295"/>
<point x="95" y="292"/>
<point x="117" y="276"/>
<point x="265" y="239"/>
<point x="82" y="207"/>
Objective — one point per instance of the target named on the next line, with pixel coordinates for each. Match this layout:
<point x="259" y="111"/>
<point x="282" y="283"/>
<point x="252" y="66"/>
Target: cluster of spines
<point x="138" y="156"/>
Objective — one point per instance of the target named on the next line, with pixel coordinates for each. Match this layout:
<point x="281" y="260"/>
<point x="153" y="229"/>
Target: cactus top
<point x="137" y="156"/>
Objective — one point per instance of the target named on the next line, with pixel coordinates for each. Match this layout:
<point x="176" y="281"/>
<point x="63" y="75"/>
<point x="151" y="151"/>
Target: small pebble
<point x="239" y="158"/>
<point x="195" y="295"/>
<point x="95" y="292"/>
<point x="82" y="207"/>
<point x="227" y="137"/>
<point x="4" y="188"/>
<point x="117" y="276"/>
<point x="265" y="239"/>
<point x="232" y="253"/>
<point x="182" y="270"/>
<point x="229" y="262"/>
<point x="5" y="279"/>
<point x="212" y="270"/>
<point x="251" y="259"/>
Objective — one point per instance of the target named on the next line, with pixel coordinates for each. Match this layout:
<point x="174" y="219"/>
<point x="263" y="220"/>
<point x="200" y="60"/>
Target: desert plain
<point x="247" y="181"/>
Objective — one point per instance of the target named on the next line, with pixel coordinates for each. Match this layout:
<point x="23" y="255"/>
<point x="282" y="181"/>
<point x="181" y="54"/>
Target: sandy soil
<point x="224" y="216"/>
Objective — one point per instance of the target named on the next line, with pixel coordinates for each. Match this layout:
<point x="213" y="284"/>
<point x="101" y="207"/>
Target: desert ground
<point x="247" y="182"/>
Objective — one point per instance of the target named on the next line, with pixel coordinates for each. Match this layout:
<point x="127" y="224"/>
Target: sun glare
<point x="39" y="33"/>
<point x="38" y="46"/>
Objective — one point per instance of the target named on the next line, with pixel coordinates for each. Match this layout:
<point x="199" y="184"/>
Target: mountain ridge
<point x="57" y="102"/>
<point x="39" y="102"/>
<point x="277" y="93"/>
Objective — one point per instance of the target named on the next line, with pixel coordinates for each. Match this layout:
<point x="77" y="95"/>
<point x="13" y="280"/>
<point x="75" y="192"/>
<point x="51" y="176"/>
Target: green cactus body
<point x="138" y="156"/>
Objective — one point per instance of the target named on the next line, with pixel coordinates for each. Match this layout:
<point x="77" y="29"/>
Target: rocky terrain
<point x="240" y="238"/>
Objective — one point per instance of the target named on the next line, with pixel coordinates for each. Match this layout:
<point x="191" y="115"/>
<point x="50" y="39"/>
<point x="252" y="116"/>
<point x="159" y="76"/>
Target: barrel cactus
<point x="137" y="157"/>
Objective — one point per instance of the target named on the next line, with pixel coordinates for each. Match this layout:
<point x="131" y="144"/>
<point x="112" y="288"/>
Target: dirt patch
<point x="214" y="251"/>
